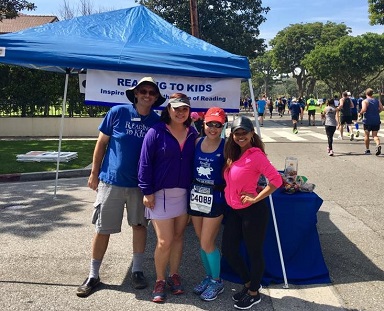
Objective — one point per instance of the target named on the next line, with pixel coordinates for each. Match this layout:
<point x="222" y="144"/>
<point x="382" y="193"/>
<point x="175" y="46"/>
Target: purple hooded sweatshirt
<point x="162" y="164"/>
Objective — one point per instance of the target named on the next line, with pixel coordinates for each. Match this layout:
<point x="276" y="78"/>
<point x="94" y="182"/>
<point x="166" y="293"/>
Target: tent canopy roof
<point x="131" y="40"/>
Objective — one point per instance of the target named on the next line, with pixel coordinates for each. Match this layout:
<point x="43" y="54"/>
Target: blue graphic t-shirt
<point x="126" y="129"/>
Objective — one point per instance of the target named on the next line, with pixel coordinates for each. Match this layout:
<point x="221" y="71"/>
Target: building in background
<point x="24" y="21"/>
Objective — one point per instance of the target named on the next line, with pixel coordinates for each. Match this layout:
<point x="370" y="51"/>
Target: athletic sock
<point x="137" y="262"/>
<point x="204" y="259"/>
<point x="214" y="263"/>
<point x="95" y="268"/>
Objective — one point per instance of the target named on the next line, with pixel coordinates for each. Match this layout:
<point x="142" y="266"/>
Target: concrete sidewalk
<point x="45" y="256"/>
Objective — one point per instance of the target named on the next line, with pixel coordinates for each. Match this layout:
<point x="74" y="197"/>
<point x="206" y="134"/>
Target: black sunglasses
<point x="144" y="92"/>
<point x="214" y="124"/>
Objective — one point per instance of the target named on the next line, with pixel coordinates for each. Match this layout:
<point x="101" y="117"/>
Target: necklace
<point x="140" y="117"/>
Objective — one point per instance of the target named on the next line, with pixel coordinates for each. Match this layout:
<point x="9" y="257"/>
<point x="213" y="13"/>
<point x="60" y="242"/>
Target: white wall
<point x="49" y="127"/>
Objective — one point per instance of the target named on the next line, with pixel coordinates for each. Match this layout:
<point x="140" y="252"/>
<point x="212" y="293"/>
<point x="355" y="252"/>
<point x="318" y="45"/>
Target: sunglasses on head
<point x="214" y="124"/>
<point x="145" y="92"/>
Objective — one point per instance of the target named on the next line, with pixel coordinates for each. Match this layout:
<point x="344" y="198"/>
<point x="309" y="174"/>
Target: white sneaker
<point x="339" y="137"/>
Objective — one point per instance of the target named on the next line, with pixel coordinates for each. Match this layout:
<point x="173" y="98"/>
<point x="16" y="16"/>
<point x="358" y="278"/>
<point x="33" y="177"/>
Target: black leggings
<point x="270" y="110"/>
<point x="330" y="130"/>
<point x="248" y="224"/>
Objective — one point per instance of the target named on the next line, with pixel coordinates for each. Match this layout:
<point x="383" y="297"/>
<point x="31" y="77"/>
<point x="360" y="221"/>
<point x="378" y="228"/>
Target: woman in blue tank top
<point x="207" y="202"/>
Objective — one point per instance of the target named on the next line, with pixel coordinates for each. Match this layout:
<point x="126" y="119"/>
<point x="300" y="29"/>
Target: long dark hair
<point x="232" y="151"/>
<point x="166" y="118"/>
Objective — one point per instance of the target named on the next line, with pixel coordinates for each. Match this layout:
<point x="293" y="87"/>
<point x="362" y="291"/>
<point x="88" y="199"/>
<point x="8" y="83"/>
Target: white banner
<point x="108" y="88"/>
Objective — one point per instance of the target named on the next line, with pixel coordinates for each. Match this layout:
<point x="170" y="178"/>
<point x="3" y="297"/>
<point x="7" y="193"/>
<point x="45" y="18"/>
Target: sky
<point x="354" y="13"/>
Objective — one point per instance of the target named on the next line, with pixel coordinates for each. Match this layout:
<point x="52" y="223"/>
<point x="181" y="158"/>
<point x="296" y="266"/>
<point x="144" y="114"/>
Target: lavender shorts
<point x="169" y="203"/>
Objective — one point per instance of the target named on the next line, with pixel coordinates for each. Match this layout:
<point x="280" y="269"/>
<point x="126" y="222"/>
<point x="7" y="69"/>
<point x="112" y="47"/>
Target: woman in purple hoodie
<point x="165" y="177"/>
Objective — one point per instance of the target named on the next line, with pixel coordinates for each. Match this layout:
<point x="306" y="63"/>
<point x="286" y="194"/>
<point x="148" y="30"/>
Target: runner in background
<point x="295" y="110"/>
<point x="260" y="107"/>
<point x="311" y="108"/>
<point x="354" y="112"/>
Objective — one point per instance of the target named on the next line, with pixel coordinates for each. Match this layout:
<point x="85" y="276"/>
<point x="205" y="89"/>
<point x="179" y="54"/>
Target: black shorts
<point x="354" y="116"/>
<point x="311" y="112"/>
<point x="346" y="119"/>
<point x="260" y="114"/>
<point x="295" y="117"/>
<point x="371" y="128"/>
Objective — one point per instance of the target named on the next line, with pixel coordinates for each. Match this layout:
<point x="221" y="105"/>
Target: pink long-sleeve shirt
<point x="244" y="174"/>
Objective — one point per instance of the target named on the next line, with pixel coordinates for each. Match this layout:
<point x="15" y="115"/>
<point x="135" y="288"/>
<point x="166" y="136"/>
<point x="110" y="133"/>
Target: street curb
<point x="83" y="172"/>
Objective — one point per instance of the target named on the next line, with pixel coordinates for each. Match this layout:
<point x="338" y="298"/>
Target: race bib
<point x="201" y="198"/>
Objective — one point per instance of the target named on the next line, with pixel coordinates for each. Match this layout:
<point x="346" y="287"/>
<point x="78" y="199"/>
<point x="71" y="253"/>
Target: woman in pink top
<point x="245" y="163"/>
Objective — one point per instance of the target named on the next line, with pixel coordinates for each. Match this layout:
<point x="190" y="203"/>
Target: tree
<point x="376" y="12"/>
<point x="10" y="8"/>
<point x="262" y="73"/>
<point x="350" y="63"/>
<point x="84" y="7"/>
<point x="292" y="43"/>
<point x="230" y="25"/>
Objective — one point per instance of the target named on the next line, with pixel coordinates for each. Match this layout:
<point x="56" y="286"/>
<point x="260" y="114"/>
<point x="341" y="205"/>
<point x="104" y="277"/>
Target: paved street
<point x="46" y="241"/>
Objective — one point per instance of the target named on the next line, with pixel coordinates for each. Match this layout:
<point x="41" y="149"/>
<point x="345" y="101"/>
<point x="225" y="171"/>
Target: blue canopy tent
<point x="133" y="39"/>
<point x="130" y="40"/>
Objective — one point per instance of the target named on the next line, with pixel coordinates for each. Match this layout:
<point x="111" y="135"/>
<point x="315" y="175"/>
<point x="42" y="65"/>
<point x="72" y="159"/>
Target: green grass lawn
<point x="10" y="148"/>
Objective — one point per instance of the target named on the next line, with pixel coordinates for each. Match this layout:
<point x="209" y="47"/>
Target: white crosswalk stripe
<point x="276" y="134"/>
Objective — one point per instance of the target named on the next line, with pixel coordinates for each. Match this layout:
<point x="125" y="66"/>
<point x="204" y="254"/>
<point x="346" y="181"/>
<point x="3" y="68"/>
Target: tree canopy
<point x="10" y="8"/>
<point x="350" y="63"/>
<point x="292" y="44"/>
<point x="230" y="25"/>
<point x="376" y="12"/>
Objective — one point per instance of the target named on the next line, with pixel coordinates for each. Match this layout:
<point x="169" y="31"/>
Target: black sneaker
<point x="138" y="280"/>
<point x="236" y="297"/>
<point x="87" y="287"/>
<point x="247" y="301"/>
<point x="378" y="150"/>
<point x="367" y="151"/>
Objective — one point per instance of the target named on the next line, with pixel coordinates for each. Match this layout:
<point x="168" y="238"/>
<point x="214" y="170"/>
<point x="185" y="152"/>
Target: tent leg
<point x="61" y="131"/>
<point x="278" y="242"/>
<point x="254" y="107"/>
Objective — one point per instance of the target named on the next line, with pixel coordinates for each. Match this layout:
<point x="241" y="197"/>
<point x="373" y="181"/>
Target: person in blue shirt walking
<point x="114" y="177"/>
<point x="370" y="112"/>
<point x="296" y="110"/>
<point x="260" y="106"/>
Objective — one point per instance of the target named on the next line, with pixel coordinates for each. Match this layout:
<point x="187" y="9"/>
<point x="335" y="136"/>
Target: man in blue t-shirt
<point x="295" y="109"/>
<point x="260" y="106"/>
<point x="114" y="177"/>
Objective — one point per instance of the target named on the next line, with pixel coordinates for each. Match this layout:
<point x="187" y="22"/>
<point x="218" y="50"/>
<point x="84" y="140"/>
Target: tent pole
<point x="270" y="196"/>
<point x="254" y="107"/>
<point x="278" y="242"/>
<point x="61" y="129"/>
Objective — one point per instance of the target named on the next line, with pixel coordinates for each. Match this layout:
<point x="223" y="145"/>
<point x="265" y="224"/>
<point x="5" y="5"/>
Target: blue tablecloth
<point x="296" y="220"/>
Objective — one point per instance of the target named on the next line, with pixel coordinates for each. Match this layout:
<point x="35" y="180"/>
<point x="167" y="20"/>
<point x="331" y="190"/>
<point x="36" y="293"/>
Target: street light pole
<point x="194" y="18"/>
